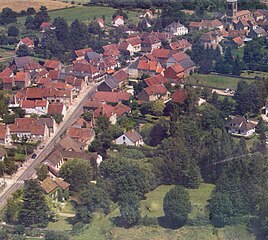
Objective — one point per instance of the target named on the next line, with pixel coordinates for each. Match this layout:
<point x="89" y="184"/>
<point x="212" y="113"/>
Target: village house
<point x="118" y="21"/>
<point x="206" y="24"/>
<point x="144" y="66"/>
<point x="107" y="111"/>
<point x="240" y="126"/>
<point x="70" y="144"/>
<point x="38" y="107"/>
<point x="182" y="45"/>
<point x="111" y="50"/>
<point x="176" y="29"/>
<point x="57" y="189"/>
<point x="45" y="26"/>
<point x="49" y="122"/>
<point x="26" y="129"/>
<point x="238" y="42"/>
<point x="130" y="138"/>
<point x="111" y="97"/>
<point x="109" y="85"/>
<point x="149" y="43"/>
<point x="179" y="96"/>
<point x="52" y="65"/>
<point x="153" y="93"/>
<point x="83" y="135"/>
<point x="91" y="105"/>
<point x="135" y="42"/>
<point x="174" y="72"/>
<point x="155" y="80"/>
<point x="19" y="63"/>
<point x="177" y="57"/>
<point x="58" y="157"/>
<point x="5" y="137"/>
<point x="100" y="22"/>
<point x="56" y="108"/>
<point x="148" y="14"/>
<point x="27" y="42"/>
<point x="88" y="72"/>
<point x="22" y="80"/>
<point x="81" y="53"/>
<point x="162" y="55"/>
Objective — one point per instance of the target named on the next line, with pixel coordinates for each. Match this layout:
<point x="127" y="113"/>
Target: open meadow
<point x="87" y="14"/>
<point x="197" y="227"/>
<point x="18" y="5"/>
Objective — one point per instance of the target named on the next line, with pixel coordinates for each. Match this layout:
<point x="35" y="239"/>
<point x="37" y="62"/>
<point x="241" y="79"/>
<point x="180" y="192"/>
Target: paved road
<point x="73" y="114"/>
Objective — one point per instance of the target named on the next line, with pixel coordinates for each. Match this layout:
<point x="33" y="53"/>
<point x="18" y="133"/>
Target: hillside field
<point x="87" y="14"/>
<point x="18" y="5"/>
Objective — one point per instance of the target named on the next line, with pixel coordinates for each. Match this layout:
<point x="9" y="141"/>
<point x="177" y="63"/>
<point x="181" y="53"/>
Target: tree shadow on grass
<point x="169" y="223"/>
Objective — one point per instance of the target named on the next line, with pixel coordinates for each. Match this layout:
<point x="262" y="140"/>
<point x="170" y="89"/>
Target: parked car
<point x="33" y="156"/>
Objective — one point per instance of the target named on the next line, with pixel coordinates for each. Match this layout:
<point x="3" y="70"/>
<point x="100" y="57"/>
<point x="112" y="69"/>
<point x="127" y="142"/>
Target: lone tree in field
<point x="34" y="210"/>
<point x="177" y="206"/>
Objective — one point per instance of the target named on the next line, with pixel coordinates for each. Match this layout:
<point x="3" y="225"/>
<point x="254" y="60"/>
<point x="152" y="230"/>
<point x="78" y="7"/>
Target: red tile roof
<point x="157" y="89"/>
<point x="111" y="50"/>
<point x="45" y="25"/>
<point x="239" y="41"/>
<point x="180" y="44"/>
<point x="112" y="97"/>
<point x="120" y="75"/>
<point x="8" y="79"/>
<point x="55" y="108"/>
<point x="27" y="41"/>
<point x="162" y="53"/>
<point x="3" y="130"/>
<point x="7" y="72"/>
<point x="118" y="17"/>
<point x="81" y="134"/>
<point x="85" y="68"/>
<point x="82" y="52"/>
<point x="53" y="64"/>
<point x="180" y="56"/>
<point x="21" y="76"/>
<point x="134" y="41"/>
<point x="177" y="68"/>
<point x="121" y="109"/>
<point x="104" y="110"/>
<point x="155" y="80"/>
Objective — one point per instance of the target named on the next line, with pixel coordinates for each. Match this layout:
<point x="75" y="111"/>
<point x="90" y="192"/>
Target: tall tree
<point x="177" y="206"/>
<point x="34" y="210"/>
<point x="79" y="35"/>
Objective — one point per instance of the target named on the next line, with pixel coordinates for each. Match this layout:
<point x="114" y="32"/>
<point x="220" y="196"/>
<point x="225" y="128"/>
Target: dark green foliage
<point x="13" y="31"/>
<point x="40" y="17"/>
<point x="211" y="118"/>
<point x="93" y="198"/>
<point x="56" y="236"/>
<point x="30" y="11"/>
<point x="7" y="16"/>
<point x="29" y="22"/>
<point x="79" y="35"/>
<point x="248" y="98"/>
<point x="3" y="235"/>
<point x="58" y="118"/>
<point x="23" y="51"/>
<point x="34" y="210"/>
<point x="129" y="209"/>
<point x="177" y="206"/>
<point x="42" y="172"/>
<point x="77" y="172"/>
<point x="221" y="209"/>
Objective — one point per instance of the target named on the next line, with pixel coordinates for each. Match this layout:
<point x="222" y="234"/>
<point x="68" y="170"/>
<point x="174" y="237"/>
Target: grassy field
<point x="61" y="225"/>
<point x="87" y="14"/>
<point x="215" y="81"/>
<point x="18" y="5"/>
<point x="6" y="55"/>
<point x="102" y="227"/>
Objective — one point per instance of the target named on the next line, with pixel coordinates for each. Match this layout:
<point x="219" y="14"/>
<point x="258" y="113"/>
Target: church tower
<point x="231" y="8"/>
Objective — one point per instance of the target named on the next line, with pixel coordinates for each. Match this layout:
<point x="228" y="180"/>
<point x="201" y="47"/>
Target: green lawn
<point x="88" y="14"/>
<point x="102" y="228"/>
<point x="61" y="225"/>
<point x="215" y="81"/>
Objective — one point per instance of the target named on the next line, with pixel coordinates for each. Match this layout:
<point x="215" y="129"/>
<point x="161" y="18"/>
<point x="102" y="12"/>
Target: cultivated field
<point x="215" y="81"/>
<point x="87" y="14"/>
<point x="18" y="5"/>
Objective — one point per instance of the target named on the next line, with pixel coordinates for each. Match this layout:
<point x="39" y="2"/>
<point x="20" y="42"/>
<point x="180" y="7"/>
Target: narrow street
<point x="28" y="170"/>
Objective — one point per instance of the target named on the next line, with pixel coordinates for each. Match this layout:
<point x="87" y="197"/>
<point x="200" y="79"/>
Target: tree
<point x="42" y="172"/>
<point x="238" y="66"/>
<point x="211" y="117"/>
<point x="221" y="209"/>
<point x="77" y="172"/>
<point x="58" y="118"/>
<point x="79" y="35"/>
<point x="158" y="107"/>
<point x="93" y="199"/>
<point x="56" y="236"/>
<point x="23" y="51"/>
<point x="62" y="30"/>
<point x="10" y="166"/>
<point x="252" y="53"/>
<point x="8" y="16"/>
<point x="40" y="17"/>
<point x="88" y="116"/>
<point x="177" y="206"/>
<point x="30" y="11"/>
<point x="34" y="210"/>
<point x="13" y="31"/>
<point x="29" y="22"/>
<point x="129" y="209"/>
